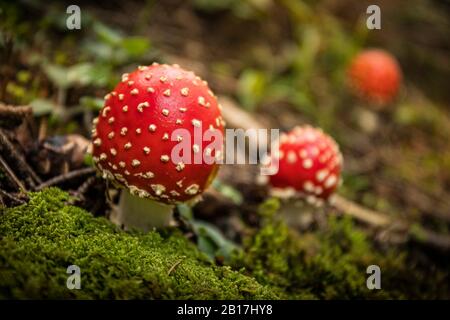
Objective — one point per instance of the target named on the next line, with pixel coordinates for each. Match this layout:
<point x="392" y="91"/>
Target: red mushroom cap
<point x="132" y="137"/>
<point x="375" y="75"/>
<point x="309" y="163"/>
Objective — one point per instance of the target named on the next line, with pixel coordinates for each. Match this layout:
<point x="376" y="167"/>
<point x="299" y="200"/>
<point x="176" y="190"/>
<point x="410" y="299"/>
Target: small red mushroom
<point x="309" y="164"/>
<point x="133" y="140"/>
<point x="375" y="75"/>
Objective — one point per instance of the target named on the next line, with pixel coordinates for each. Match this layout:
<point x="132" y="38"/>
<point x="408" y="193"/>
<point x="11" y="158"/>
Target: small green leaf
<point x="185" y="211"/>
<point x="212" y="242"/>
<point x="92" y="103"/>
<point x="251" y="88"/>
<point x="228" y="191"/>
<point x="81" y="73"/>
<point x="56" y="74"/>
<point x="136" y="46"/>
<point x="207" y="246"/>
<point x="107" y="34"/>
<point x="101" y="51"/>
<point x="43" y="107"/>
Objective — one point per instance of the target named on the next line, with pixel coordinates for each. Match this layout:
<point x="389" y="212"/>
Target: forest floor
<point x="283" y="63"/>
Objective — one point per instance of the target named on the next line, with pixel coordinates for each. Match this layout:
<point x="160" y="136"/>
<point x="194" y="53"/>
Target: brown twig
<point x="13" y="154"/>
<point x="82" y="189"/>
<point x="65" y="177"/>
<point x="360" y="213"/>
<point x="12" y="176"/>
<point x="11" y="197"/>
<point x="236" y="117"/>
<point x="86" y="185"/>
<point x="380" y="220"/>
<point x="439" y="241"/>
<point x="176" y="264"/>
<point x="12" y="116"/>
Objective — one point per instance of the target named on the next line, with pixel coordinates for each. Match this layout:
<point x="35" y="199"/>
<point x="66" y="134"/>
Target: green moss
<point x="39" y="240"/>
<point x="331" y="264"/>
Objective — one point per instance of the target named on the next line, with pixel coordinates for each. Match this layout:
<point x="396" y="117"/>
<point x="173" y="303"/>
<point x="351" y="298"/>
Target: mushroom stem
<point x="141" y="213"/>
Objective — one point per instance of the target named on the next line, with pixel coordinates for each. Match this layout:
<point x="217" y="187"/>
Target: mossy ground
<point x="40" y="239"/>
<point x="331" y="263"/>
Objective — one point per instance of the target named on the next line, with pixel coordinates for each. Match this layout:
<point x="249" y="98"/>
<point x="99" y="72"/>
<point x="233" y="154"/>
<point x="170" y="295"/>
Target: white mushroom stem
<point x="141" y="213"/>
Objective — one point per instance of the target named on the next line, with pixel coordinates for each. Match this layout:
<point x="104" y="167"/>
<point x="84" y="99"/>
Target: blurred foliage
<point x="82" y="60"/>
<point x="245" y="9"/>
<point x="308" y="74"/>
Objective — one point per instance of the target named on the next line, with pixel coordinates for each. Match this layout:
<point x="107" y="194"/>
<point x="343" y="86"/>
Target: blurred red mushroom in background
<point x="375" y="76"/>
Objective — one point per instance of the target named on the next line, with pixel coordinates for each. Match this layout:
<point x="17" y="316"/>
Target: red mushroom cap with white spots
<point x="375" y="75"/>
<point x="309" y="163"/>
<point x="132" y="137"/>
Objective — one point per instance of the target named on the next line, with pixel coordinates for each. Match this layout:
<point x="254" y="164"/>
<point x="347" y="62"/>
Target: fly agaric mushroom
<point x="309" y="165"/>
<point x="375" y="75"/>
<point x="133" y="141"/>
